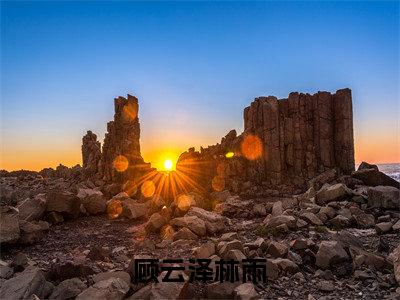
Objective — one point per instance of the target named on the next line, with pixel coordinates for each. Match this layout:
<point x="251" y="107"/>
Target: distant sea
<point x="392" y="170"/>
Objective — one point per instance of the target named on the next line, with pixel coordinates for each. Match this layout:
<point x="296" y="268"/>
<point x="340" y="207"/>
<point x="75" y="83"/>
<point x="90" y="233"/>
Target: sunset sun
<point x="168" y="165"/>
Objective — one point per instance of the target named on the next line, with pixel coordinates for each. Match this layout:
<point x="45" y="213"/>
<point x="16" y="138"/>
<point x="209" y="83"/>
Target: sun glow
<point x="168" y="164"/>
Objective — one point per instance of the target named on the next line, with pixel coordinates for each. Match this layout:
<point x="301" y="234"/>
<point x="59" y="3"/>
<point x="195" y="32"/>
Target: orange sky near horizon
<point x="36" y="157"/>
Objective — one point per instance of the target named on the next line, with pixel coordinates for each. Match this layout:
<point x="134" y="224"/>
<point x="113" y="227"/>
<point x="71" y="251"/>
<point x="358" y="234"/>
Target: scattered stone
<point x="55" y="218"/>
<point x="288" y="220"/>
<point x="30" y="282"/>
<point x="386" y="197"/>
<point x="155" y="223"/>
<point x="396" y="226"/>
<point x="195" y="224"/>
<point x="224" y="290"/>
<point x="6" y="272"/>
<point x="339" y="222"/>
<point x="363" y="220"/>
<point x="9" y="226"/>
<point x="311" y="218"/>
<point x="214" y="222"/>
<point x="395" y="257"/>
<point x="383" y="227"/>
<point x="184" y="234"/>
<point x="229" y="236"/>
<point x="277" y="249"/>
<point x="205" y="250"/>
<point x="299" y="244"/>
<point x="68" y="289"/>
<point x="259" y="210"/>
<point x="245" y="291"/>
<point x="112" y="288"/>
<point x="95" y="203"/>
<point x="277" y="208"/>
<point x="330" y="253"/>
<point x="32" y="232"/>
<point x="372" y="177"/>
<point x="235" y="254"/>
<point x="63" y="202"/>
<point x="99" y="254"/>
<point x="364" y="165"/>
<point x="112" y="274"/>
<point x="331" y="193"/>
<point x="325" y="286"/>
<point x="32" y="208"/>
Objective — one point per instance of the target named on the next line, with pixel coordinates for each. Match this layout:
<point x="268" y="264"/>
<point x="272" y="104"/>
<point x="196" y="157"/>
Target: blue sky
<point x="193" y="65"/>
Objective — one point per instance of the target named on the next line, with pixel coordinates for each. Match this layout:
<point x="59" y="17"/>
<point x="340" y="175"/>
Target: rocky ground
<point x="63" y="239"/>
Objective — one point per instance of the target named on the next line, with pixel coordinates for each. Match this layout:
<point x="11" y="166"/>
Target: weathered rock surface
<point x="31" y="281"/>
<point x="32" y="208"/>
<point x="63" y="202"/>
<point x="373" y="177"/>
<point x="9" y="226"/>
<point x="194" y="223"/>
<point x="68" y="289"/>
<point x="330" y="253"/>
<point x="113" y="288"/>
<point x="384" y="197"/>
<point x="91" y="154"/>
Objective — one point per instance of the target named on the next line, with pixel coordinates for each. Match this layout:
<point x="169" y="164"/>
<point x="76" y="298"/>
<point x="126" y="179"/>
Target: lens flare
<point x="114" y="209"/>
<point x="148" y="188"/>
<point x="252" y="147"/>
<point x="229" y="155"/>
<point x="184" y="202"/>
<point x="121" y="163"/>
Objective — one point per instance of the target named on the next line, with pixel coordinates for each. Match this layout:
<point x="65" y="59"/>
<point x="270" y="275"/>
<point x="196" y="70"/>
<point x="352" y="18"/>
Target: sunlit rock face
<point x="285" y="142"/>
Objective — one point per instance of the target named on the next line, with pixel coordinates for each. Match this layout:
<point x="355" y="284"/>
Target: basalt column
<point x="302" y="136"/>
<point x="91" y="154"/>
<point x="121" y="158"/>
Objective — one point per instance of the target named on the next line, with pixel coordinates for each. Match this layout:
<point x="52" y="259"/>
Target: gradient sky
<point x="193" y="65"/>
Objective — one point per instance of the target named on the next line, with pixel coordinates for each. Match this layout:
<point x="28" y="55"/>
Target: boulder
<point x="225" y="247"/>
<point x="112" y="288"/>
<point x="311" y="218"/>
<point x="68" y="289"/>
<point x="63" y="202"/>
<point x="363" y="220"/>
<point x="6" y="272"/>
<point x="184" y="234"/>
<point x="32" y="208"/>
<point x="277" y="249"/>
<point x="9" y="226"/>
<point x="32" y="232"/>
<point x="124" y="206"/>
<point x="194" y="223"/>
<point x="383" y="227"/>
<point x="112" y="274"/>
<point x="205" y="250"/>
<point x="30" y="282"/>
<point x="339" y="222"/>
<point x="155" y="223"/>
<point x="259" y="210"/>
<point x="54" y="217"/>
<point x="364" y="165"/>
<point x="286" y="265"/>
<point x="95" y="203"/>
<point x="396" y="226"/>
<point x="214" y="222"/>
<point x="329" y="254"/>
<point x="275" y="221"/>
<point x="395" y="257"/>
<point x="245" y="291"/>
<point x="331" y="193"/>
<point x="323" y="178"/>
<point x="386" y="197"/>
<point x="372" y="177"/>
<point x="277" y="208"/>
<point x="235" y="206"/>
<point x="221" y="290"/>
<point x="273" y="269"/>
<point x="163" y="290"/>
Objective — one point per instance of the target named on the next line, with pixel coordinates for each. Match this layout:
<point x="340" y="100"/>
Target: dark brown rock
<point x="373" y="177"/>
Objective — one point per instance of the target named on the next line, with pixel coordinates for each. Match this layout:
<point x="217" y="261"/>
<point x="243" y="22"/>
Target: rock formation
<point x="285" y="142"/>
<point x="120" y="159"/>
<point x="91" y="154"/>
